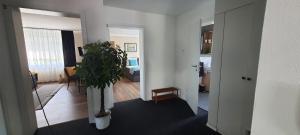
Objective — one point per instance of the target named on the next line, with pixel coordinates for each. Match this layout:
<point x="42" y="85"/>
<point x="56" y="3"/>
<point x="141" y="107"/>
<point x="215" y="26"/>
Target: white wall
<point x="50" y="22"/>
<point x="277" y="98"/>
<point x="78" y="43"/>
<point x="204" y="12"/>
<point x="159" y="44"/>
<point x="121" y="40"/>
<point x="93" y="28"/>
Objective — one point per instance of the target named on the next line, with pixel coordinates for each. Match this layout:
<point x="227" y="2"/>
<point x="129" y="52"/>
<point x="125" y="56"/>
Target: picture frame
<point x="130" y="47"/>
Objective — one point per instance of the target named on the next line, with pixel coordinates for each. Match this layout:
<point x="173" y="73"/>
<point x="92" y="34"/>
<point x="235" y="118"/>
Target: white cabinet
<point x="237" y="40"/>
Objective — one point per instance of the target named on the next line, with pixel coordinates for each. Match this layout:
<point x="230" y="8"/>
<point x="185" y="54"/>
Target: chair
<point x="34" y="79"/>
<point x="71" y="75"/>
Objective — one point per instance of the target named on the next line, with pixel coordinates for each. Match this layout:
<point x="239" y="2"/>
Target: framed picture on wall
<point x="130" y="47"/>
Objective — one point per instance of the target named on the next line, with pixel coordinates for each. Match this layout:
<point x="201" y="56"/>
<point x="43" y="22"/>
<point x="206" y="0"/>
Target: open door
<point x="192" y="73"/>
<point x="132" y="85"/>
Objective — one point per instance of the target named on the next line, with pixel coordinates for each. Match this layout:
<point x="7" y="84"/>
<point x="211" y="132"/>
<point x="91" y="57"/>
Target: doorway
<point x="52" y="40"/>
<point x="130" y="40"/>
<point x="205" y="61"/>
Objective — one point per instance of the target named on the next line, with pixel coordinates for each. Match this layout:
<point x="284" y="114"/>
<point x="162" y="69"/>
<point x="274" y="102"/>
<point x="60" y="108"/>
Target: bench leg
<point x="156" y="98"/>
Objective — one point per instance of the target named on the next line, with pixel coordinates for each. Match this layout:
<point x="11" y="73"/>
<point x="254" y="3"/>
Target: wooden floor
<point x="66" y="105"/>
<point x="126" y="90"/>
<point x="69" y="104"/>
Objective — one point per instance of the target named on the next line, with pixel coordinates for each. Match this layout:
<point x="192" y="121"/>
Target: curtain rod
<point x="48" y="29"/>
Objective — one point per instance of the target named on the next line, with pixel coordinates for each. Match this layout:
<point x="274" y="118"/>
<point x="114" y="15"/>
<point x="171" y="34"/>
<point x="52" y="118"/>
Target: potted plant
<point x="102" y="65"/>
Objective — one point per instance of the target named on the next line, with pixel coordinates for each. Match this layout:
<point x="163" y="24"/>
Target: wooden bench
<point x="164" y="94"/>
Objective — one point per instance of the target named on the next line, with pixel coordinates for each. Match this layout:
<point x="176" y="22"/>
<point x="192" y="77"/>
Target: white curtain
<point x="45" y="53"/>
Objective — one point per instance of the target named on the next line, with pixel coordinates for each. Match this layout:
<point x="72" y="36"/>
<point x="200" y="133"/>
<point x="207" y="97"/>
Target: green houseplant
<point x="102" y="65"/>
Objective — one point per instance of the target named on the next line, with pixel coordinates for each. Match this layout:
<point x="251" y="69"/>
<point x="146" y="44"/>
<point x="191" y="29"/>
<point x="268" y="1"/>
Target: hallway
<point x="137" y="117"/>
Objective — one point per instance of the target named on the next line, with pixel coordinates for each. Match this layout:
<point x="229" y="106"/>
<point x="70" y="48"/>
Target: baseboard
<point x="211" y="127"/>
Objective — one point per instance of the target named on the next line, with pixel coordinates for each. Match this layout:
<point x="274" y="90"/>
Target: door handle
<point x="246" y="78"/>
<point x="196" y="67"/>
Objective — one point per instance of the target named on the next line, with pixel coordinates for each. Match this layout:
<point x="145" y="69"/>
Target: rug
<point x="45" y="92"/>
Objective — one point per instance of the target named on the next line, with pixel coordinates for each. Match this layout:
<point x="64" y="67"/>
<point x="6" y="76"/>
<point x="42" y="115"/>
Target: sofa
<point x="132" y="71"/>
<point x="132" y="75"/>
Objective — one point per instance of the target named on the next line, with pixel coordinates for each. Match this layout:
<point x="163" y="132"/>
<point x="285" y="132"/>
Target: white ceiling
<point x="46" y="21"/>
<point x="169" y="7"/>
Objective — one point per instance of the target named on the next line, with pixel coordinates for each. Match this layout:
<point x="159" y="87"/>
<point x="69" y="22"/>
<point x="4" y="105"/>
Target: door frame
<point x="2" y="120"/>
<point x="20" y="54"/>
<point x="208" y="21"/>
<point x="142" y="54"/>
<point x="16" y="50"/>
<point x="213" y="93"/>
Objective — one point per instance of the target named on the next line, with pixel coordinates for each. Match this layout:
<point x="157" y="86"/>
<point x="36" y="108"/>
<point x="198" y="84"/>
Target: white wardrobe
<point x="237" y="37"/>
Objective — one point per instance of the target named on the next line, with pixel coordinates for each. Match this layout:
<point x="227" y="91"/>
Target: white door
<point x="233" y="85"/>
<point x="192" y="71"/>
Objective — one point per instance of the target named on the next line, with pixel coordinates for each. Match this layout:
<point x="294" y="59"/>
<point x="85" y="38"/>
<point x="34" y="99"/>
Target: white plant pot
<point x="102" y="122"/>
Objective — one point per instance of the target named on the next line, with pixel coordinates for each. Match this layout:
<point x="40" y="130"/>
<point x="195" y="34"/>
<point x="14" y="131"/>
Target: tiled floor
<point x="203" y="101"/>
